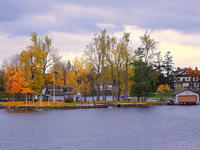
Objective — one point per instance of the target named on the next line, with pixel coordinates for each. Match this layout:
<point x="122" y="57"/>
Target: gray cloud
<point x="72" y="22"/>
<point x="23" y="17"/>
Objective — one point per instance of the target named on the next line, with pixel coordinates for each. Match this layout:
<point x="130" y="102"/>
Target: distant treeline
<point x="109" y="62"/>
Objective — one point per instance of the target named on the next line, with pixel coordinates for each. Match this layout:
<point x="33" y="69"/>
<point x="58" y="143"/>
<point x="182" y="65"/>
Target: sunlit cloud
<point x="106" y="26"/>
<point x="70" y="45"/>
<point x="12" y="45"/>
<point x="184" y="48"/>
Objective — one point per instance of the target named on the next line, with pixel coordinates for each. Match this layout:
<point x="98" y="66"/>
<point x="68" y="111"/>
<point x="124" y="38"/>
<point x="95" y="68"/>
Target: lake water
<point x="152" y="128"/>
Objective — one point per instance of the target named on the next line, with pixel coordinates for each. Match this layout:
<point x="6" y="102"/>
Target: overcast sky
<point x="72" y="23"/>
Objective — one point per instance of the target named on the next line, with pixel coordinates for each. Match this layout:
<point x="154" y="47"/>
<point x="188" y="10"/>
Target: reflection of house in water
<point x="61" y="92"/>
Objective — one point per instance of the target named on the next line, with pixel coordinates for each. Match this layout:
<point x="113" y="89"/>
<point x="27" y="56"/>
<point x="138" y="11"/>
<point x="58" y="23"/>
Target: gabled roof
<point x="175" y="93"/>
<point x="59" y="86"/>
<point x="181" y="72"/>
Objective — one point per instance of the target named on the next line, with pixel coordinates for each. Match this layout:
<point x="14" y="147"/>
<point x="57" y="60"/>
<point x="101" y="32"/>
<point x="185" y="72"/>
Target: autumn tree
<point x="110" y="57"/>
<point x="111" y="44"/>
<point x="146" y="51"/>
<point x="96" y="54"/>
<point x="15" y="83"/>
<point x="127" y="58"/>
<point x="82" y="68"/>
<point x="194" y="72"/>
<point x="118" y="55"/>
<point x="46" y="55"/>
<point x="30" y="65"/>
<point x="163" y="88"/>
<point x="35" y="61"/>
<point x="58" y="73"/>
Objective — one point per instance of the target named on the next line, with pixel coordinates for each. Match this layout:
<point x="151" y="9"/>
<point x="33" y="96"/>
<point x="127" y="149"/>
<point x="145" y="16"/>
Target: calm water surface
<point x="153" y="128"/>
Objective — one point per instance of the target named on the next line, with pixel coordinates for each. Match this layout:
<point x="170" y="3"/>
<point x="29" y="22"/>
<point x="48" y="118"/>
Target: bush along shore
<point x="19" y="105"/>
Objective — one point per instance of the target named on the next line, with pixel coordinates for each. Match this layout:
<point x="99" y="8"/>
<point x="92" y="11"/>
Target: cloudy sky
<point x="71" y="24"/>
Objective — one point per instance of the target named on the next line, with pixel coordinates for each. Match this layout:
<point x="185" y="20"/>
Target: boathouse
<point x="186" y="96"/>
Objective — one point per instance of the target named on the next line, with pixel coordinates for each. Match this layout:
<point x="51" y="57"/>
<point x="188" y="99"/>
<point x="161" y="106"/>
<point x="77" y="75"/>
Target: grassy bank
<point x="63" y="104"/>
<point x="163" y="95"/>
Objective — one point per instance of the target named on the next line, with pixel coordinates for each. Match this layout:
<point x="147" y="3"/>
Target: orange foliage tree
<point x="15" y="83"/>
<point x="194" y="73"/>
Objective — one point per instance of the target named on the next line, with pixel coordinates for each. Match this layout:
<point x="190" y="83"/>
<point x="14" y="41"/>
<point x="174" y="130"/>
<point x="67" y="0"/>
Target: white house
<point x="186" y="96"/>
<point x="182" y="78"/>
<point x="58" y="93"/>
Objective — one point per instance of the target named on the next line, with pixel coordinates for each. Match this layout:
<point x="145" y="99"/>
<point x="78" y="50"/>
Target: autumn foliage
<point x="16" y="83"/>
<point x="105" y="68"/>
<point x="21" y="103"/>
<point x="178" y="88"/>
<point x="194" y="72"/>
<point x="163" y="88"/>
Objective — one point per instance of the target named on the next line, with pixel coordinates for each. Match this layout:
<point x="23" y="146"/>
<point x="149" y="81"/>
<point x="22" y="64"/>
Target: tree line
<point x="109" y="61"/>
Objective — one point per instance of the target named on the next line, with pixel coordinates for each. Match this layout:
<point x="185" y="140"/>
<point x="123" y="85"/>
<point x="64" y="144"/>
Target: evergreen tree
<point x="144" y="79"/>
<point x="168" y="68"/>
<point x="168" y="63"/>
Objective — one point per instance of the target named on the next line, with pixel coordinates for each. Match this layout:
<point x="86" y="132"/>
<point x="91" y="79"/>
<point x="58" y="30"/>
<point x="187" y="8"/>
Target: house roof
<point x="181" y="72"/>
<point x="59" y="86"/>
<point x="175" y="93"/>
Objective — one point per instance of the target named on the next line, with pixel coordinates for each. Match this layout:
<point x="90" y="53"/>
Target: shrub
<point x="68" y="100"/>
<point x="178" y="88"/>
<point x="163" y="88"/>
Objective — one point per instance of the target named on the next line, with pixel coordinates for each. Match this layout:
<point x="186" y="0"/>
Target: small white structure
<point x="186" y="96"/>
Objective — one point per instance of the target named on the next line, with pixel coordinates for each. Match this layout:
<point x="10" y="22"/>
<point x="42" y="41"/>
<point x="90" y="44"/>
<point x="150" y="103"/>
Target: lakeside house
<point x="60" y="93"/>
<point x="186" y="96"/>
<point x="182" y="78"/>
<point x="107" y="87"/>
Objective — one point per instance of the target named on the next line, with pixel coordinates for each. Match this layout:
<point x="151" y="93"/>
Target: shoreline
<point x="83" y="106"/>
<point x="90" y="106"/>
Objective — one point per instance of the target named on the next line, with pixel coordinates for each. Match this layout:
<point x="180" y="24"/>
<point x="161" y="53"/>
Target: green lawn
<point x="163" y="95"/>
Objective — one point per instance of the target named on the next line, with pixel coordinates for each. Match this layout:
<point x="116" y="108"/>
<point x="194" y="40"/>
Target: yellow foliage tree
<point x="82" y="70"/>
<point x="178" y="88"/>
<point x="36" y="60"/>
<point x="163" y="88"/>
<point x="30" y="62"/>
